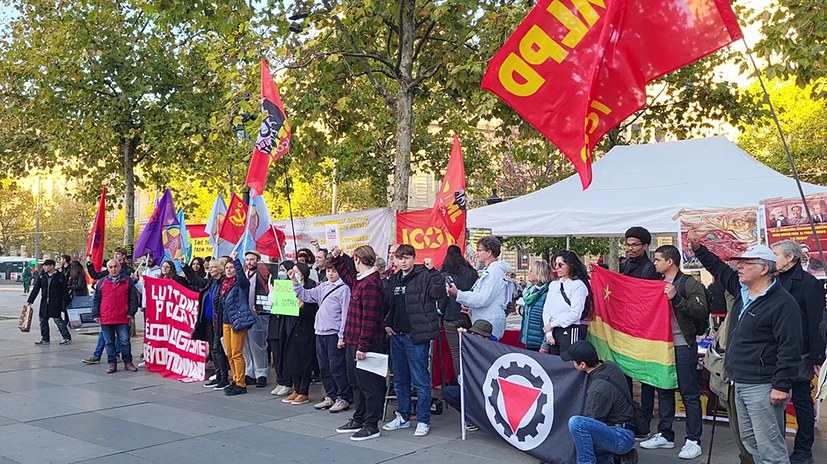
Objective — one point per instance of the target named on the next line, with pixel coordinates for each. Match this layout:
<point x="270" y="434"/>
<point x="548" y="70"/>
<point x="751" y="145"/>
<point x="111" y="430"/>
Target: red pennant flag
<point x="94" y="247"/>
<point x="270" y="243"/>
<point x="236" y="220"/>
<point x="450" y="204"/>
<point x="274" y="135"/>
<point x="575" y="69"/>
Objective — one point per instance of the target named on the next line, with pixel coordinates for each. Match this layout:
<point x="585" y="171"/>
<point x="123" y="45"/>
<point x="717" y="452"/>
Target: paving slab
<point x="28" y="444"/>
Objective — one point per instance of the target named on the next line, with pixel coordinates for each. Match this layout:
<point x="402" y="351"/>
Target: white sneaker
<point x="691" y="450"/>
<point x="422" y="429"/>
<point x="281" y="390"/>
<point x="397" y="423"/>
<point x="141" y="364"/>
<point x="326" y="403"/>
<point x="657" y="441"/>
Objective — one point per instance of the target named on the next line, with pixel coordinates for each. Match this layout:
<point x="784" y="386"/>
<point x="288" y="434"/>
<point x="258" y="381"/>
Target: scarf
<point x="226" y="284"/>
<point x="533" y="293"/>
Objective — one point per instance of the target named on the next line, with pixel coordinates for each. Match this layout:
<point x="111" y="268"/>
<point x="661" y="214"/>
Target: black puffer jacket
<point x="423" y="290"/>
<point x="809" y="294"/>
<point x="464" y="280"/>
<point x="764" y="344"/>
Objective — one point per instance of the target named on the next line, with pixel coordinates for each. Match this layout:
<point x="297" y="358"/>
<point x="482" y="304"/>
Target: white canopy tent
<point x="641" y="185"/>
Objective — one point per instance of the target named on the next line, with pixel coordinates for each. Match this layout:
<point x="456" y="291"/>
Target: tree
<point x="803" y="119"/>
<point x="16" y="216"/>
<point x="65" y="225"/>
<point x="106" y="91"/>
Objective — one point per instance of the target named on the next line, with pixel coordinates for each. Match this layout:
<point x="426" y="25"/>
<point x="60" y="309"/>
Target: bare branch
<point x="370" y="56"/>
<point x="427" y="74"/>
<point x="424" y="39"/>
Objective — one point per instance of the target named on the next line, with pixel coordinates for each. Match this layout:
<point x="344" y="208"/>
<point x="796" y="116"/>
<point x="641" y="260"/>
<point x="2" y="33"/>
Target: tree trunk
<point x="404" y="108"/>
<point x="129" y="191"/>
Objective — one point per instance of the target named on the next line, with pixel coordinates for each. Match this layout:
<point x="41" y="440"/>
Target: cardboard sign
<point x="283" y="299"/>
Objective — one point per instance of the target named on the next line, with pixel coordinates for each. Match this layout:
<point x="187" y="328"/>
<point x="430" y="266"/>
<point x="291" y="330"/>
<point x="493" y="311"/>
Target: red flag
<point x="94" y="247"/>
<point x="236" y="220"/>
<point x="270" y="243"/>
<point x="273" y="136"/>
<point x="575" y="69"/>
<point x="449" y="208"/>
<point x="430" y="239"/>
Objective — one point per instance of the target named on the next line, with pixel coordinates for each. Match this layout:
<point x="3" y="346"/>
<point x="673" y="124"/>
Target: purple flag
<point x="151" y="239"/>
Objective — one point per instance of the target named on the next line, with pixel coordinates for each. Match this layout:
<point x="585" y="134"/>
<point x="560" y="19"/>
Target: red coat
<point x="115" y="301"/>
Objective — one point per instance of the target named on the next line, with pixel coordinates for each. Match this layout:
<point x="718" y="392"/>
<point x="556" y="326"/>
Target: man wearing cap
<point x="54" y="298"/>
<point x="607" y="428"/>
<point x="451" y="393"/>
<point x="763" y="346"/>
<point x="255" y="346"/>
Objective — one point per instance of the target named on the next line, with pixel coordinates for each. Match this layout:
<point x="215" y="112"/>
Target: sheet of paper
<point x="331" y="234"/>
<point x="376" y="363"/>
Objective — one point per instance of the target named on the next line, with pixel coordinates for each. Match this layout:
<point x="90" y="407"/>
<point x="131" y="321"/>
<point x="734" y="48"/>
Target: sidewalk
<point x="53" y="409"/>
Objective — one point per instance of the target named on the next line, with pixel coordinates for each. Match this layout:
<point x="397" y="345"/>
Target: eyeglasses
<point x="633" y="245"/>
<point x="749" y="263"/>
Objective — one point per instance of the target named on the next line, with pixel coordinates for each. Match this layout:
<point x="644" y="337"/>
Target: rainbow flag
<point x="632" y="327"/>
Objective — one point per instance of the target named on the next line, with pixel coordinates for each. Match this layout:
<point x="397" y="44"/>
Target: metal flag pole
<point x="289" y="203"/>
<point x="786" y="149"/>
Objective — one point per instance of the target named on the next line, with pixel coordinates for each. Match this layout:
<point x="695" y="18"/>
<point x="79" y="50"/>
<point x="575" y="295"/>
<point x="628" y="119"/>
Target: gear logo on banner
<point x="520" y="400"/>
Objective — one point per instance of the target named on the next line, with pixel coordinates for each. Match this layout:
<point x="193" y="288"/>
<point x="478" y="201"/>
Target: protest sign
<point x="283" y="299"/>
<point x="331" y="235"/>
<point x="786" y="219"/>
<point x="726" y="233"/>
<point x="171" y="311"/>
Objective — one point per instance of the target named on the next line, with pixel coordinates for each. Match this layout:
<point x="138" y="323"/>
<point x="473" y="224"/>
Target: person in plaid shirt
<point x="364" y="332"/>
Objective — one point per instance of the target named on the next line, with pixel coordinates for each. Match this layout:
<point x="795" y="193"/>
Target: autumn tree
<point x="16" y="216"/>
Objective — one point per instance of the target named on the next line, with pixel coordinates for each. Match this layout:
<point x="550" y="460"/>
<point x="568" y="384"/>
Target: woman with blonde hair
<point x="532" y="302"/>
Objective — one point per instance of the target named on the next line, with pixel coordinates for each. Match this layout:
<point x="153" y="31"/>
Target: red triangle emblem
<point x="517" y="400"/>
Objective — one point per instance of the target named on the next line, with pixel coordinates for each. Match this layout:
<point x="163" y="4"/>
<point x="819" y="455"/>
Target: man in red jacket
<point x="114" y="304"/>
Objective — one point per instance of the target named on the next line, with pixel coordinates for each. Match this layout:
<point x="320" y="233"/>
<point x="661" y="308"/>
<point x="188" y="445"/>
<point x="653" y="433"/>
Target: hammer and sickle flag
<point x="235" y="222"/>
<point x="450" y="204"/>
<point x="273" y="136"/>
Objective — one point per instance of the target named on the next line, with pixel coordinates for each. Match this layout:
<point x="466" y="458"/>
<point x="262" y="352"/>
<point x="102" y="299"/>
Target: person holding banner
<point x="237" y="318"/>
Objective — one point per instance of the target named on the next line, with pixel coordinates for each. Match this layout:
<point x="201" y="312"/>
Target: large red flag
<point x="575" y="69"/>
<point x="449" y="207"/>
<point x="94" y="247"/>
<point x="271" y="242"/>
<point x="430" y="239"/>
<point x="273" y="136"/>
<point x="236" y="220"/>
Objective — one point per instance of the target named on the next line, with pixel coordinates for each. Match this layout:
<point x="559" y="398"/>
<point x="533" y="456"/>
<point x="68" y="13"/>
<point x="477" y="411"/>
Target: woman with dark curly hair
<point x="568" y="304"/>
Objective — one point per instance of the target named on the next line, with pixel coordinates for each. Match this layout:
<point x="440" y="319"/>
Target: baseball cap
<point x="758" y="252"/>
<point x="581" y="351"/>
<point x="49" y="262"/>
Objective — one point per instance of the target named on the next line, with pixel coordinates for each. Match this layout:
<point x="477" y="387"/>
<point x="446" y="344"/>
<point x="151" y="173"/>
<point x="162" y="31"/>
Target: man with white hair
<point x="809" y="294"/>
<point x="763" y="346"/>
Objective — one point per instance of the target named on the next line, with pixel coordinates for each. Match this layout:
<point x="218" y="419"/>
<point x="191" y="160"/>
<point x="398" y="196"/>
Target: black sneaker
<point x="351" y="427"/>
<point x="233" y="390"/>
<point x="365" y="433"/>
<point x="221" y="385"/>
<point x="42" y="342"/>
<point x="249" y="380"/>
<point x="261" y="382"/>
<point x="628" y="458"/>
<point x="211" y="383"/>
<point x="66" y="341"/>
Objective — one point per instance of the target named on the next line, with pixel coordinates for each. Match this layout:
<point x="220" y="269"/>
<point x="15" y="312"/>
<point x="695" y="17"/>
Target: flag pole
<point x="290" y="204"/>
<point x="786" y="149"/>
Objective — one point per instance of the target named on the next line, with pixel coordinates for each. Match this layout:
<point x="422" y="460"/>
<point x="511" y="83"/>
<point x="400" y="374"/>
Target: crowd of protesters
<point x="352" y="306"/>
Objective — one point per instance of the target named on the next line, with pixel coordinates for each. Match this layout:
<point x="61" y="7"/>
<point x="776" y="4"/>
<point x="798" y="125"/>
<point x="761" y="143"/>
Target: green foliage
<point x="547" y="246"/>
<point x="16" y="216"/>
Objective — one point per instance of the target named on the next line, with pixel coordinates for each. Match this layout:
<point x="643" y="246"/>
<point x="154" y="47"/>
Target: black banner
<point x="522" y="396"/>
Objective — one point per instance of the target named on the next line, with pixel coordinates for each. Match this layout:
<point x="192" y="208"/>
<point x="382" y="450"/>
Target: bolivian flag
<point x="632" y="327"/>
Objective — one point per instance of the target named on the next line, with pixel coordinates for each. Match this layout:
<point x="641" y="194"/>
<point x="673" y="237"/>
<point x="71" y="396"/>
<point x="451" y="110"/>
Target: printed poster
<point x="725" y="232"/>
<point x="786" y="219"/>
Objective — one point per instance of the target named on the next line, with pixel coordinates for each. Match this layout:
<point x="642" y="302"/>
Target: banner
<point x="728" y="233"/>
<point x="370" y="227"/>
<point x="524" y="397"/>
<point x="429" y="238"/>
<point x="282" y="298"/>
<point x="576" y="69"/>
<point x="171" y="311"/>
<point x="273" y="139"/>
<point x="786" y="219"/>
<point x="450" y="205"/>
<point x="199" y="240"/>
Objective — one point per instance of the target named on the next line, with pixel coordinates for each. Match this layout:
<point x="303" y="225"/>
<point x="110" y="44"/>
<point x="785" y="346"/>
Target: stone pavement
<point x="53" y="409"/>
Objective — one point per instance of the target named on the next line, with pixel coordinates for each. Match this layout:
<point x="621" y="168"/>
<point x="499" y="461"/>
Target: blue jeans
<point x="761" y="424"/>
<point x="121" y="331"/>
<point x="597" y="442"/>
<point x="332" y="368"/>
<point x="410" y="365"/>
<point x="686" y="364"/>
<point x="102" y="344"/>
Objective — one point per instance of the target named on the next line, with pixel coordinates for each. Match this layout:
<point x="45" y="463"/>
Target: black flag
<point x="524" y="397"/>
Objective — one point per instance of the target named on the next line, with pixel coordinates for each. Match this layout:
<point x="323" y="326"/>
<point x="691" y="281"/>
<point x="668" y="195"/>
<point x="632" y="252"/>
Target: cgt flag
<point x="232" y="229"/>
<point x="632" y="327"/>
<point x="94" y="247"/>
<point x="575" y="69"/>
<point x="273" y="136"/>
<point x="450" y="204"/>
<point x="523" y="397"/>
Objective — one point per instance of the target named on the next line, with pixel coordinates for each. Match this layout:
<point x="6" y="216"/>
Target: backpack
<point x="511" y="295"/>
<point x="701" y="323"/>
<point x="641" y="422"/>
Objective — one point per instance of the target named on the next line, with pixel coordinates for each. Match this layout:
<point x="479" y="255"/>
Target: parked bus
<point x="11" y="267"/>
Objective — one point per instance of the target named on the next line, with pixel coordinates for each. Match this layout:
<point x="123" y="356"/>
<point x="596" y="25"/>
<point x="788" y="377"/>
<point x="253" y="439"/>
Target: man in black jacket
<point x="412" y="323"/>
<point x="809" y="294"/>
<point x="53" y="300"/>
<point x="763" y="346"/>
<point x="607" y="428"/>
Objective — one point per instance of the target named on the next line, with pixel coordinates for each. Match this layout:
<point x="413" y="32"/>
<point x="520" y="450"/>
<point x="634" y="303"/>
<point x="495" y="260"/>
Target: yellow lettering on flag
<point x="536" y="47"/>
<point x="514" y="65"/>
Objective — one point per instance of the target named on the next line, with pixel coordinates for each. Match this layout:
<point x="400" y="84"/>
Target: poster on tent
<point x="370" y="227"/>
<point x="786" y="219"/>
<point x="725" y="232"/>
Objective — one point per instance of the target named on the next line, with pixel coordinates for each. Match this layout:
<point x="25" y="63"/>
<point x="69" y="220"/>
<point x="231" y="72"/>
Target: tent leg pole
<point x="568" y="242"/>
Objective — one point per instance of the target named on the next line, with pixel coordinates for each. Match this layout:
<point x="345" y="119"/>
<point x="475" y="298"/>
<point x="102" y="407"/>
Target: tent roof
<point x="641" y="185"/>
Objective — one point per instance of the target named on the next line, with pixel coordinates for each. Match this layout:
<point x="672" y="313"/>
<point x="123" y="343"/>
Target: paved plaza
<point x="53" y="409"/>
